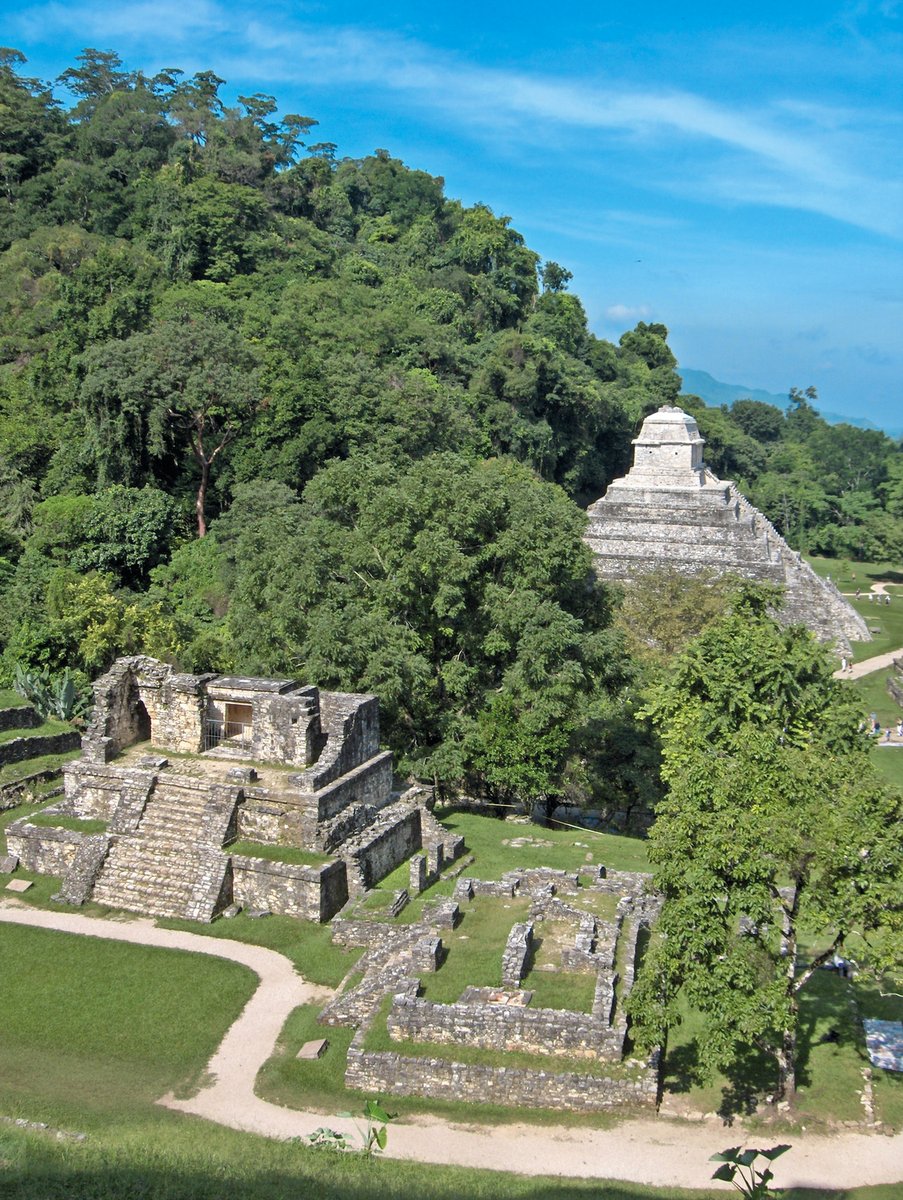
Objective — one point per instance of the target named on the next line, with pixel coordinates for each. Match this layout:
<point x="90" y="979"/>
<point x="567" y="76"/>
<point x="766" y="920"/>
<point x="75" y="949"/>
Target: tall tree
<point x="775" y="844"/>
<point x="192" y="381"/>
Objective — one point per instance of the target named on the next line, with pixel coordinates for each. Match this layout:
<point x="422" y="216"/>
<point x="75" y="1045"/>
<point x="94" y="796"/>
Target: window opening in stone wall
<point x="234" y="730"/>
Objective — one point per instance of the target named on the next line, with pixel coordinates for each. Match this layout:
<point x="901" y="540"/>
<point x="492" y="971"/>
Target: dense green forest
<point x="267" y="408"/>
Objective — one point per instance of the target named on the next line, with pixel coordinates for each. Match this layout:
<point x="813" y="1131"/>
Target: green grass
<point x="11" y="699"/>
<point x="831" y="1055"/>
<point x="306" y="943"/>
<point x="43" y="730"/>
<point x="287" y="854"/>
<point x="474" y="948"/>
<point x="318" y="1084"/>
<point x="572" y="990"/>
<point x="13" y="814"/>
<point x="484" y="837"/>
<point x="81" y="1055"/>
<point x="165" y="1157"/>
<point x="76" y="824"/>
<point x="66" y="1028"/>
<point x="12" y="772"/>
<point x="849" y="574"/>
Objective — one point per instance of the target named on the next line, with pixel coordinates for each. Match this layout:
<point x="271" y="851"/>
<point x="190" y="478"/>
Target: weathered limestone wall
<point x="386" y="846"/>
<point x="95" y="790"/>
<point x="42" y="850"/>
<point x="370" y="784"/>
<point x="140" y="697"/>
<point x="285" y="721"/>
<point x="504" y="1027"/>
<point x="350" y="724"/>
<point x="386" y="1073"/>
<point x="313" y="893"/>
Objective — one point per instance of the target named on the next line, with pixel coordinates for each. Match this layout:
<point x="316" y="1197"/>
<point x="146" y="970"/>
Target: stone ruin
<point x="583" y="1058"/>
<point x="670" y="511"/>
<point x="180" y="766"/>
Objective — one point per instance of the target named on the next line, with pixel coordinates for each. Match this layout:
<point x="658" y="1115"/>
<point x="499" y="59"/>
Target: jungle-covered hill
<point x="265" y="407"/>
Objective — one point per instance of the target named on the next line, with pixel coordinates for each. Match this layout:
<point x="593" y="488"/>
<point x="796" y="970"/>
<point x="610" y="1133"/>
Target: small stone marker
<point x="314" y="1049"/>
<point x="152" y="762"/>
<point x="19" y="885"/>
<point x="8" y="863"/>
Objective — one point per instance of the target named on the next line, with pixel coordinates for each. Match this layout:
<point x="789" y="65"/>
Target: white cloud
<point x="628" y="312"/>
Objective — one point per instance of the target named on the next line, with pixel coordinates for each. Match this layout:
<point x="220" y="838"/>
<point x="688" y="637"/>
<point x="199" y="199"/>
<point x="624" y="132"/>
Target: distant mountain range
<point x="714" y="393"/>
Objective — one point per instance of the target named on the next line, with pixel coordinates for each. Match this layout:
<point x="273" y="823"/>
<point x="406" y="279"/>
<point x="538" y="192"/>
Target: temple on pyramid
<point x="670" y="511"/>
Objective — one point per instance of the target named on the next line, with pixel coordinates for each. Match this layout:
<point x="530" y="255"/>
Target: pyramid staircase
<point x="172" y="863"/>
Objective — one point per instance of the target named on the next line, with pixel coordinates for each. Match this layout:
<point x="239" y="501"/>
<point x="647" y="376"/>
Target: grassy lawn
<point x="831" y="1058"/>
<point x="66" y="1029"/>
<point x="474" y="948"/>
<point x="568" y="848"/>
<point x="11" y="699"/>
<point x="82" y="1055"/>
<point x="306" y="943"/>
<point x="76" y="824"/>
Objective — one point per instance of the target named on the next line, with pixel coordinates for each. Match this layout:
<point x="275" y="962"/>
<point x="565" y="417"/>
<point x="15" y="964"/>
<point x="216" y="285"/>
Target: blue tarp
<point x="884" y="1040"/>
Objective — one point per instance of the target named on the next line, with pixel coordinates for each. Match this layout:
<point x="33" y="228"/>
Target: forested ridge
<point x="266" y="408"/>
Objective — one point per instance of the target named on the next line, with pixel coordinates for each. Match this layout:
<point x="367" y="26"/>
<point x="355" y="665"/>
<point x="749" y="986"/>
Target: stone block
<point x="315" y="1049"/>
<point x="19" y="885"/>
<point x="8" y="863"/>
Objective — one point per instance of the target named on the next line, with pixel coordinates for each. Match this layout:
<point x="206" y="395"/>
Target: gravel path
<point x="653" y="1151"/>
<point x="880" y="662"/>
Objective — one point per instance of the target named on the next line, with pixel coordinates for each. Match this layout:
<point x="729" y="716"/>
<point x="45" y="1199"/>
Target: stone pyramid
<point x="670" y="511"/>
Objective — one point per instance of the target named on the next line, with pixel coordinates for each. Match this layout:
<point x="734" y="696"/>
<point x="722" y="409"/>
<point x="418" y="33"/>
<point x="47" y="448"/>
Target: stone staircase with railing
<point x="173" y="864"/>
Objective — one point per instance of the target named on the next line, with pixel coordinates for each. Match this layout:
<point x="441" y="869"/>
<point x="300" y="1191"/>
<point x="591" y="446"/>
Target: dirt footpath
<point x="667" y="1153"/>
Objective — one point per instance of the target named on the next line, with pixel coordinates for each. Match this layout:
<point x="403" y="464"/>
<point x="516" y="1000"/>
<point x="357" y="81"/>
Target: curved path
<point x="651" y="1151"/>
<point x="879" y="662"/>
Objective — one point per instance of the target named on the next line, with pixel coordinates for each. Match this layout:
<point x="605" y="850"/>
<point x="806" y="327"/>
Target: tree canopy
<point x="775" y="846"/>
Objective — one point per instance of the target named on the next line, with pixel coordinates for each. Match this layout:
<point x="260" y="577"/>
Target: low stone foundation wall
<point x="18" y="749"/>
<point x="314" y="893"/>
<point x="43" y="850"/>
<point x="388" y="1074"/>
<point x="503" y="1027"/>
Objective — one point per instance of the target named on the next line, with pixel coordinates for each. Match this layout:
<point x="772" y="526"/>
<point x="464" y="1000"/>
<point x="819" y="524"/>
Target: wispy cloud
<point x="775" y="152"/>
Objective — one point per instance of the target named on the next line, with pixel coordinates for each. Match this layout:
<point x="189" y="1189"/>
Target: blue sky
<point x="732" y="171"/>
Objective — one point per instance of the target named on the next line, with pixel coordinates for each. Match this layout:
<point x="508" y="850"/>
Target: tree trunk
<point x="200" y="503"/>
<point x="786" y="1057"/>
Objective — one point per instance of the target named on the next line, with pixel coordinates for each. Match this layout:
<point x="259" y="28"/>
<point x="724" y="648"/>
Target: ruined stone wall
<point x="369" y="784"/>
<point x="42" y="850"/>
<point x="286" y="728"/>
<point x="23" y="717"/>
<point x="94" y="790"/>
<point x="386" y="1073"/>
<point x="177" y="708"/>
<point x="351" y="726"/>
<point x="18" y="749"/>
<point x="387" y="845"/>
<point x="313" y="893"/>
<point x="173" y="703"/>
<point x="503" y="1027"/>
